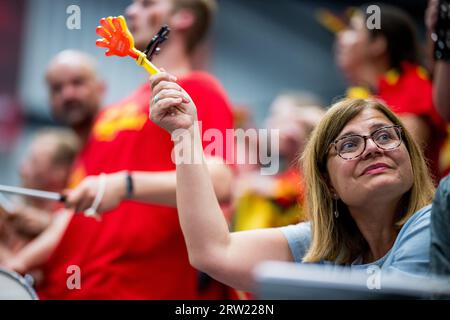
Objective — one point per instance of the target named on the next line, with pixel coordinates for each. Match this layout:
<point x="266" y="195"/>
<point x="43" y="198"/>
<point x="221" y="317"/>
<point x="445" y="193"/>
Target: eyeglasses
<point x="352" y="146"/>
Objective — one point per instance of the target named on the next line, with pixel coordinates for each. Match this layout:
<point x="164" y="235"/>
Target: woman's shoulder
<point x="420" y="218"/>
<point x="299" y="239"/>
<point x="410" y="252"/>
<point x="418" y="223"/>
<point x="299" y="229"/>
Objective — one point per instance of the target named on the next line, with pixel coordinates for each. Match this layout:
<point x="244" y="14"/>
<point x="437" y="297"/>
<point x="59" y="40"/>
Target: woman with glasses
<point x="368" y="195"/>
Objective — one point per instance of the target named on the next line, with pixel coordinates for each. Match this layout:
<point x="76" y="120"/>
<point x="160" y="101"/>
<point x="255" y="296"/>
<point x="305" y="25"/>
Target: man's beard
<point x="76" y="114"/>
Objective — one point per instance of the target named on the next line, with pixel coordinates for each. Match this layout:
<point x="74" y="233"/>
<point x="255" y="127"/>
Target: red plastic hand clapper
<point x="116" y="37"/>
<point x="119" y="42"/>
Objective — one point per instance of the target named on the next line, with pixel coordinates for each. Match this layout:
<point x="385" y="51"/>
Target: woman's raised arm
<point x="227" y="257"/>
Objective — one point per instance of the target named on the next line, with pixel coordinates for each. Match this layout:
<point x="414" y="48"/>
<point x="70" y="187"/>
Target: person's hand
<point x="14" y="263"/>
<point x="3" y="212"/>
<point x="431" y="15"/>
<point x="3" y="219"/>
<point x="171" y="108"/>
<point x="83" y="196"/>
<point x="28" y="220"/>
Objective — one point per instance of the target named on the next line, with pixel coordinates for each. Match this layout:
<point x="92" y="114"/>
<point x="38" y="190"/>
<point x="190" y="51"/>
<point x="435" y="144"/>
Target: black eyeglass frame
<point x="397" y="128"/>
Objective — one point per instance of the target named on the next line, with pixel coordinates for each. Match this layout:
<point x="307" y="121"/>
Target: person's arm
<point x="151" y="187"/>
<point x="37" y="252"/>
<point x="440" y="68"/>
<point x="439" y="226"/>
<point x="441" y="88"/>
<point x="227" y="257"/>
<point x="160" y="187"/>
<point x="29" y="220"/>
<point x="431" y="17"/>
<point x="5" y="254"/>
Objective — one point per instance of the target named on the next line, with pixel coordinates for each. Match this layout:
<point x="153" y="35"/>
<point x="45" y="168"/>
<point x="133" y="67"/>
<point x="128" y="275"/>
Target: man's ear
<point x="101" y="88"/>
<point x="182" y="19"/>
<point x="378" y="46"/>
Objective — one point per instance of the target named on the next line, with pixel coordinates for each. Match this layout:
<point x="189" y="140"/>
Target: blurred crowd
<point x="136" y="249"/>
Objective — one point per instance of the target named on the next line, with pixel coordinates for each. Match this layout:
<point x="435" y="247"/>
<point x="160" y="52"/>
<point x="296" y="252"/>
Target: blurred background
<point x="257" y="49"/>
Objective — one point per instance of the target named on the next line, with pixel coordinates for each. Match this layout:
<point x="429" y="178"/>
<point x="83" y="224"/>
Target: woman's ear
<point x="332" y="190"/>
<point x="182" y="19"/>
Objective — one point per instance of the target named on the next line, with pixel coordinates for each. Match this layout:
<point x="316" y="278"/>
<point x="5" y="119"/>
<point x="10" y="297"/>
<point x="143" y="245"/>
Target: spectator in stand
<point x="368" y="193"/>
<point x="263" y="201"/>
<point x="385" y="62"/>
<point x="125" y="255"/>
<point x="34" y="224"/>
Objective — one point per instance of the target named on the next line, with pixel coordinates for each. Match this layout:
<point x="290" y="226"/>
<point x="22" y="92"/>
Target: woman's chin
<point x="385" y="183"/>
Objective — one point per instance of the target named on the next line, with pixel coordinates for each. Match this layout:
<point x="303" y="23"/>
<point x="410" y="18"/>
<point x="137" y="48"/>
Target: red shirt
<point x="411" y="93"/>
<point x="136" y="251"/>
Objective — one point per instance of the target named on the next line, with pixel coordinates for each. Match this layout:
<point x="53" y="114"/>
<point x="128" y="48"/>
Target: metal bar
<point x="33" y="193"/>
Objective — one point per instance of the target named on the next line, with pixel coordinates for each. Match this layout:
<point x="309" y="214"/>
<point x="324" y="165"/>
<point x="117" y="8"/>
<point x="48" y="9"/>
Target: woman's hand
<point x="171" y="108"/>
<point x="431" y="15"/>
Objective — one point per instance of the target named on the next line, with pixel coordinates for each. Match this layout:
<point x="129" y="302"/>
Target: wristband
<point x="92" y="211"/>
<point x="129" y="186"/>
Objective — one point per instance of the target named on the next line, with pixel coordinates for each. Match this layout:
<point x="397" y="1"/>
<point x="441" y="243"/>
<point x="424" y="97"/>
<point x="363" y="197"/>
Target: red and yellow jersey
<point x="282" y="207"/>
<point x="136" y="251"/>
<point x="410" y="93"/>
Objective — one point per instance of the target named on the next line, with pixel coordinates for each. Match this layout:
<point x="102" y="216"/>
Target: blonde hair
<point x="340" y="240"/>
<point x="203" y="11"/>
